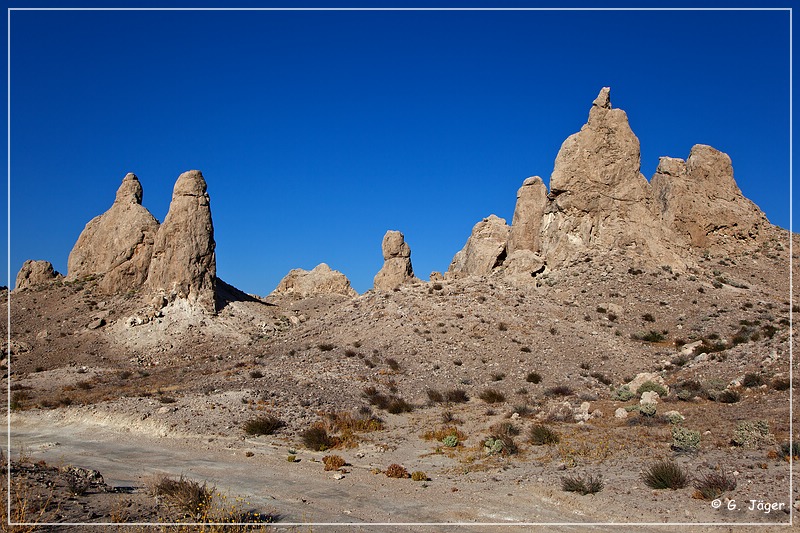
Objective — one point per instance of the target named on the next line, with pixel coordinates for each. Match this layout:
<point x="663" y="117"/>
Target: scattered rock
<point x="643" y="377"/>
<point x="397" y="268"/>
<point x="97" y="323"/>
<point x="650" y="397"/>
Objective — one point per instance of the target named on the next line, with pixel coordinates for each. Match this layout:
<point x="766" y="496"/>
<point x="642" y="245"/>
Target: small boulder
<point x="320" y="280"/>
<point x="35" y="273"/>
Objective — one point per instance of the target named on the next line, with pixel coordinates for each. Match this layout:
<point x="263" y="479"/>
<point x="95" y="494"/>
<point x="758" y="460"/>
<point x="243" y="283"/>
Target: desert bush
<point x="751" y="379"/>
<point x="727" y="396"/>
<point x="665" y="475"/>
<point x="540" y="435"/>
<point x="398" y="405"/>
<point x="393" y="364"/>
<point x="589" y="484"/>
<point x="685" y="440"/>
<point x="186" y="495"/>
<point x="533" y="377"/>
<point x="498" y="376"/>
<point x="419" y="475"/>
<point x="451" y="441"/>
<point x="316" y="438"/>
<point x="780" y="384"/>
<point x="622" y="394"/>
<point x="396" y="471"/>
<point x="688" y="389"/>
<point x="648" y="317"/>
<point x="434" y="396"/>
<point x="711" y="485"/>
<point x="647" y="409"/>
<point x="456" y="396"/>
<point x="361" y="422"/>
<point x="263" y="425"/>
<point x="787" y="450"/>
<point x="333" y="462"/>
<point x="256" y="374"/>
<point x="602" y="378"/>
<point x="525" y="349"/>
<point x="504" y="428"/>
<point x="559" y="390"/>
<point x="650" y="336"/>
<point x="325" y="347"/>
<point x="752" y="434"/>
<point x="648" y="386"/>
<point x="492" y="396"/>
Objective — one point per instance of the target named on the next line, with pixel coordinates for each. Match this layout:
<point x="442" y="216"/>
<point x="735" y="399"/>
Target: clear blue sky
<point x="318" y="131"/>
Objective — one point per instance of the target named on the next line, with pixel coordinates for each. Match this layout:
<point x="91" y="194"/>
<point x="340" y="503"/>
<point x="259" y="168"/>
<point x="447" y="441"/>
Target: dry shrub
<point x="396" y="471"/>
<point x="665" y="475"/>
<point x="584" y="485"/>
<point x="492" y="396"/>
<point x="189" y="497"/>
<point x="541" y="435"/>
<point x="713" y="484"/>
<point x="316" y="438"/>
<point x="419" y="476"/>
<point x="263" y="425"/>
<point x="333" y="462"/>
<point x="441" y="433"/>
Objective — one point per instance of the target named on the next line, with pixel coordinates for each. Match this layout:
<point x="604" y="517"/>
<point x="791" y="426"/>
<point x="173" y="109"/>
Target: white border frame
<point x="417" y="524"/>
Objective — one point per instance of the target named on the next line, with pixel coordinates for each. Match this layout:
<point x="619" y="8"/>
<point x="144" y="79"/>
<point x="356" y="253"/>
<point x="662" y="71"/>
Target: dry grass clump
<point x="325" y="347"/>
<point x="390" y="403"/>
<point x="333" y="462"/>
<point x="361" y="422"/>
<point x="419" y="475"/>
<point x="263" y="425"/>
<point x="456" y="396"/>
<point x="316" y="438"/>
<point x="504" y="428"/>
<point x="665" y="475"/>
<point x="540" y="435"/>
<point x="713" y="484"/>
<point x="492" y="396"/>
<point x="559" y="390"/>
<point x="589" y="484"/>
<point x="533" y="377"/>
<point x="397" y="471"/>
<point x="186" y="495"/>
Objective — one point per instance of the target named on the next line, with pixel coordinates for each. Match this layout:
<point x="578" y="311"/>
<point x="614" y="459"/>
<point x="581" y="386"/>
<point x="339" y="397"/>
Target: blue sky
<point x="318" y="131"/>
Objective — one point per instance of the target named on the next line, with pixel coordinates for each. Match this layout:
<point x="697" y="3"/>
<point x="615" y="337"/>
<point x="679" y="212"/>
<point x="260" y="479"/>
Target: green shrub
<point x="648" y="386"/>
<point x="685" y="440"/>
<point x="540" y="435"/>
<point x="752" y="434"/>
<point x="665" y="475"/>
<point x="584" y="485"/>
<point x="451" y="441"/>
<point x="333" y="462"/>
<point x="647" y="409"/>
<point x="500" y="445"/>
<point x="622" y="394"/>
<point x="787" y="450"/>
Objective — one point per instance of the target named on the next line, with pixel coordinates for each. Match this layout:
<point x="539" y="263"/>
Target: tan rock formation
<point x="320" y="280"/>
<point x="528" y="213"/>
<point x="599" y="200"/>
<point x="117" y="244"/>
<point x="184" y="263"/>
<point x="35" y="273"/>
<point x="484" y="251"/>
<point x="522" y="266"/>
<point x="396" y="268"/>
<point x="700" y="201"/>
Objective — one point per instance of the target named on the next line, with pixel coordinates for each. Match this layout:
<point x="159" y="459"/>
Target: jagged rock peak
<point x="599" y="199"/>
<point x="484" y="250"/>
<point x="603" y="99"/>
<point x="397" y="268"/>
<point x="700" y="201"/>
<point x="130" y="191"/>
<point x="184" y="261"/>
<point x="116" y="245"/>
<point x="318" y="281"/>
<point x="35" y="273"/>
<point x="528" y="212"/>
